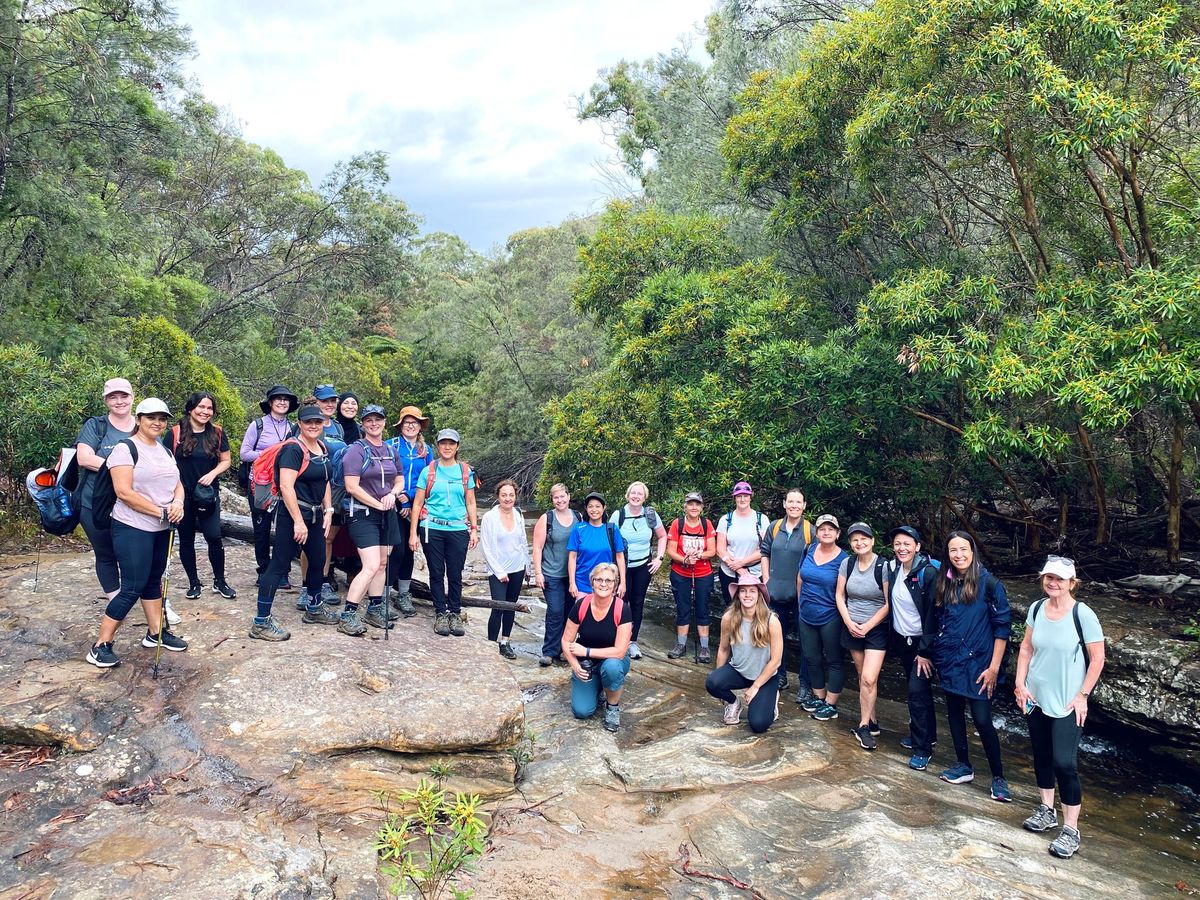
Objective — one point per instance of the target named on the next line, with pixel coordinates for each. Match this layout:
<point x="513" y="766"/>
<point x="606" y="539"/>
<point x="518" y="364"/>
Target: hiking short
<point x="876" y="639"/>
<point x="373" y="528"/>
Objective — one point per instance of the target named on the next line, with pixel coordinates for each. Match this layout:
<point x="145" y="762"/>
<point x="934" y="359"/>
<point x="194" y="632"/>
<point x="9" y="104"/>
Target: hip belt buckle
<point x="436" y="521"/>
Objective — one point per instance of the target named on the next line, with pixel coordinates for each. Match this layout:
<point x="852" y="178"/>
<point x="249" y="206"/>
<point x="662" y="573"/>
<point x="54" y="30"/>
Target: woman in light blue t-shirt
<point x="1061" y="657"/>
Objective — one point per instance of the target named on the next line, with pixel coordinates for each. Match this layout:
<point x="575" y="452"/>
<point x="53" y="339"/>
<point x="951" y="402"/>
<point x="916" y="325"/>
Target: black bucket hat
<point x="278" y="390"/>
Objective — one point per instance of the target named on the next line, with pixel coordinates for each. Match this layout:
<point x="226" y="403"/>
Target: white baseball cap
<point x="151" y="405"/>
<point x="1059" y="565"/>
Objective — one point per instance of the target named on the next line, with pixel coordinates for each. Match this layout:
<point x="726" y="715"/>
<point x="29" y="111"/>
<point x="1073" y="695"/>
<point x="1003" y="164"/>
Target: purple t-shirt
<point x="154" y="477"/>
<point x="380" y="474"/>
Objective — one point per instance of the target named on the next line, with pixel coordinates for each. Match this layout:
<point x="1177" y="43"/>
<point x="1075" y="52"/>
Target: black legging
<point x="823" y="653"/>
<point x="209" y="524"/>
<point x="500" y="622"/>
<point x="1056" y="754"/>
<point x="400" y="561"/>
<point x="637" y="580"/>
<point x="143" y="560"/>
<point x="285" y="550"/>
<point x="981" y="714"/>
<point x="102" y="548"/>
<point x="722" y="683"/>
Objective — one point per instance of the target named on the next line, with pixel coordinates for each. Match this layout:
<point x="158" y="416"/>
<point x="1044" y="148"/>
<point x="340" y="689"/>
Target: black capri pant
<point x="823" y="654"/>
<point x="1056" y="754"/>
<point x="142" y="557"/>
<point x="102" y="547"/>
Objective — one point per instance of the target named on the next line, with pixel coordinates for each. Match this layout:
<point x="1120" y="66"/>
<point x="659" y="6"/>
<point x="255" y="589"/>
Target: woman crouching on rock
<point x="749" y="656"/>
<point x="149" y="501"/>
<point x="596" y="644"/>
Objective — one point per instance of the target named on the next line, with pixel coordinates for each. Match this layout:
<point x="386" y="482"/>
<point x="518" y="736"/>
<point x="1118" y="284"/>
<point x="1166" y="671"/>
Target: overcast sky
<point x="473" y="101"/>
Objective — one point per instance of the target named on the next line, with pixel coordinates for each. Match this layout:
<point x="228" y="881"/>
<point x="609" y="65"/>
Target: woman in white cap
<point x="415" y="456"/>
<point x="445" y="522"/>
<point x="748" y="657"/>
<point x="820" y="625"/>
<point x="95" y="442"/>
<point x="862" y="602"/>
<point x="1062" y="655"/>
<point x="149" y="501"/>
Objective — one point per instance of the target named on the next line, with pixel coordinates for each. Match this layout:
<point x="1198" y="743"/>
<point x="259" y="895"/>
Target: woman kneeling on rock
<point x="596" y="644"/>
<point x="749" y="656"/>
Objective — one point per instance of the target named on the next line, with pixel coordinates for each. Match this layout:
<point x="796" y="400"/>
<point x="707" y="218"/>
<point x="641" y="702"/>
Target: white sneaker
<point x="634" y="652"/>
<point x="733" y="712"/>
<point x="172" y="616"/>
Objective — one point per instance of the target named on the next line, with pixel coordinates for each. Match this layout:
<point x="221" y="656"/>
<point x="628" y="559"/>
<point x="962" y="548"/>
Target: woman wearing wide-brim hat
<point x="263" y="433"/>
<point x="749" y="655"/>
<point x="415" y="456"/>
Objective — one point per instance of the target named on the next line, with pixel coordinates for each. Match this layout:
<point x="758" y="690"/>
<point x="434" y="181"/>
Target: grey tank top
<point x="748" y="660"/>
<point x="554" y="551"/>
<point x="864" y="596"/>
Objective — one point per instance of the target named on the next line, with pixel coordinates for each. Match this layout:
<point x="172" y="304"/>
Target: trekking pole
<point x="37" y="566"/>
<point x="162" y="613"/>
<point x="387" y="607"/>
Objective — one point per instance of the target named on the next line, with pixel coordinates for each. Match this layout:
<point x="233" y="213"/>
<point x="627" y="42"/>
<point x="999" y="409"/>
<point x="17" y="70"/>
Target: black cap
<point x="594" y="495"/>
<point x="904" y="529"/>
<point x="861" y="528"/>
<point x="308" y="413"/>
<point x="278" y="390"/>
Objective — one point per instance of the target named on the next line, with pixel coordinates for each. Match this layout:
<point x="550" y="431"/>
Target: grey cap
<point x="827" y="519"/>
<point x="448" y="434"/>
<point x="861" y="528"/>
<point x="695" y="496"/>
<point x="373" y="410"/>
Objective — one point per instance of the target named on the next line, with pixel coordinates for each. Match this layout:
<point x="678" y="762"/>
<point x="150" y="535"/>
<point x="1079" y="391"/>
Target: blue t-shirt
<point x="818" y="588"/>
<point x="446" y="504"/>
<point x="591" y="547"/>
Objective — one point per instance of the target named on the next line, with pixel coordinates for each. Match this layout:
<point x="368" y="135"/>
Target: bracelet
<point x="162" y="514"/>
<point x="588" y="652"/>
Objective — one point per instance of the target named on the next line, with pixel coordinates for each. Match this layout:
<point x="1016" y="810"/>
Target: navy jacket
<point x="921" y="581"/>
<point x="964" y="634"/>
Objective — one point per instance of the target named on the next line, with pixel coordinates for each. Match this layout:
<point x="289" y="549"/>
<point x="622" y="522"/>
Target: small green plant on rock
<point x="522" y="753"/>
<point x="427" y="848"/>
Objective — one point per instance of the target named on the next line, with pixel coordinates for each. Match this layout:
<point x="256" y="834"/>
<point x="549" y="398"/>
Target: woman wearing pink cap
<point x="749" y="656"/>
<point x="1062" y="655"/>
<point x="97" y="438"/>
<point x="739" y="539"/>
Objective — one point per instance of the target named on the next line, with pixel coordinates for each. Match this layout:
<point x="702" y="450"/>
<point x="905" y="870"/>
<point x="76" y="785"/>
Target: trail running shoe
<point x="824" y="712"/>
<point x="1043" y="819"/>
<point x="102" y="657"/>
<point x="1066" y="844"/>
<point x="329" y="595"/>
<point x="223" y="588"/>
<point x="874" y="726"/>
<point x="865" y="739"/>
<point x="634" y="651"/>
<point x="302" y="601"/>
<point x="703" y="655"/>
<point x="441" y="625"/>
<point x="169" y="641"/>
<point x="269" y="631"/>
<point x="959" y="773"/>
<point x="918" y="762"/>
<point x="194" y="590"/>
<point x="733" y="712"/>
<point x="1000" y="791"/>
<point x="546" y="661"/>
<point x="677" y="651"/>
<point x="349" y="623"/>
<point x="319" y="614"/>
<point x="456" y="625"/>
<point x="403" y="602"/>
<point x="783" y="679"/>
<point x="507" y="651"/>
<point x="612" y="717"/>
<point x="811" y="703"/>
<point x="286" y="585"/>
<point x="906" y="742"/>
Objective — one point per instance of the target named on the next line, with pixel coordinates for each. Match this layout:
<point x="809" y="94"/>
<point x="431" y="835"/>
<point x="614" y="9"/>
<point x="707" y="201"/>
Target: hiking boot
<point x="1066" y="844"/>
<point x="456" y="625"/>
<point x="349" y="623"/>
<point x="907" y="744"/>
<point x="507" y="651"/>
<point x="546" y="661"/>
<point x="811" y="703"/>
<point x="403" y="602"/>
<point x="874" y="726"/>
<point x="172" y="616"/>
<point x="223" y="588"/>
<point x="783" y="679"/>
<point x="612" y="719"/>
<point x="330" y="596"/>
<point x="805" y="695"/>
<point x="677" y="651"/>
<point x="102" y="657"/>
<point x="441" y="625"/>
<point x="320" y="615"/>
<point x="918" y="762"/>
<point x="733" y="712"/>
<point x="1000" y="791"/>
<point x="959" y="773"/>
<point x="169" y="641"/>
<point x="375" y="617"/>
<point x="865" y="739"/>
<point x="703" y="655"/>
<point x="302" y="602"/>
<point x="269" y="631"/>
<point x="634" y="651"/>
<point x="392" y="615"/>
<point x="1043" y="819"/>
<point x="824" y="712"/>
<point x="194" y="590"/>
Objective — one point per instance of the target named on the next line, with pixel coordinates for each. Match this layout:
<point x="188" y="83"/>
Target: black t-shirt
<point x="310" y="485"/>
<point x="597" y="635"/>
<point x="197" y="463"/>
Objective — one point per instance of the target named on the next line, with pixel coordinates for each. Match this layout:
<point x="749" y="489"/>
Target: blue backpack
<point x="338" y="498"/>
<point x="51" y="493"/>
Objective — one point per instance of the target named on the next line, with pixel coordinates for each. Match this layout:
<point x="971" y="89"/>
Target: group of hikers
<point x="332" y="471"/>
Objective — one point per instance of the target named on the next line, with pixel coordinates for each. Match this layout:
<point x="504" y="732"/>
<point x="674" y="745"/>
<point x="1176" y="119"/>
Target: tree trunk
<point x="1089" y="459"/>
<point x="1174" y="495"/>
<point x="1147" y="487"/>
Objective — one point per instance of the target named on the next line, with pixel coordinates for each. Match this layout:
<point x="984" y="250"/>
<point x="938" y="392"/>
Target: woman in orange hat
<point x="415" y="456"/>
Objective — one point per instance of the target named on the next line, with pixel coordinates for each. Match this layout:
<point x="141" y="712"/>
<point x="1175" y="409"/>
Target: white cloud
<point x="472" y="102"/>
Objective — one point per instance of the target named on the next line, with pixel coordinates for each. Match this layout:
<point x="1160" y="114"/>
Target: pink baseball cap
<point x="742" y="487"/>
<point x="117" y="385"/>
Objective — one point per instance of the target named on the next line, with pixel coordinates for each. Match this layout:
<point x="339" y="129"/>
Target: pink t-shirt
<point x="154" y="477"/>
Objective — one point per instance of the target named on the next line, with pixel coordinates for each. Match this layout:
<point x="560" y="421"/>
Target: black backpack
<point x="104" y="495"/>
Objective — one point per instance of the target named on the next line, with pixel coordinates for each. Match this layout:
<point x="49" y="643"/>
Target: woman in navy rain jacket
<point x="968" y="630"/>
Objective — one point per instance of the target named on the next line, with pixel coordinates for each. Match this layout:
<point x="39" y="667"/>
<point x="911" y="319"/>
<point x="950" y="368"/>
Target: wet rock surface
<point x="252" y="770"/>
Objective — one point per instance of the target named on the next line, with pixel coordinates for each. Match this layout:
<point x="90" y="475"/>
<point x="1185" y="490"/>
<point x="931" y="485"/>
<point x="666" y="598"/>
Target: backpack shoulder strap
<point x="584" y="605"/>
<point x="1087" y="657"/>
<point x="879" y="564"/>
<point x="621" y="517"/>
<point x="618" y="608"/>
<point x="728" y="520"/>
<point x="611" y="531"/>
<point x="1036" y="609"/>
<point x="775" y="528"/>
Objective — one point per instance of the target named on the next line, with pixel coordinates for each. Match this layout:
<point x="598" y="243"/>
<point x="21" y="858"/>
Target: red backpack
<point x="264" y="474"/>
<point x="618" y="606"/>
<point x="431" y="476"/>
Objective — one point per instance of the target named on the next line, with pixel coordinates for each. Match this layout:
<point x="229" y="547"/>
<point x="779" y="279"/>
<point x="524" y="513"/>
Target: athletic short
<point x="373" y="528"/>
<point x="876" y="639"/>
